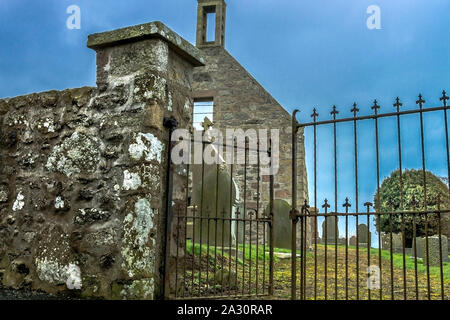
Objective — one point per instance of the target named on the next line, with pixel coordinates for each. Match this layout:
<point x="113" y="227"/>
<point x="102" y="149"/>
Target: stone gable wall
<point x="240" y="102"/>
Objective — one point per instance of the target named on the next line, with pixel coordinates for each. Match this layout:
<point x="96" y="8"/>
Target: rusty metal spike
<point x="326" y="205"/>
<point x="334" y="112"/>
<point x="347" y="204"/>
<point x="368" y="204"/>
<point x="444" y="98"/>
<point x="355" y="109"/>
<point x="420" y="102"/>
<point x="397" y="103"/>
<point x="315" y="114"/>
<point x="375" y="106"/>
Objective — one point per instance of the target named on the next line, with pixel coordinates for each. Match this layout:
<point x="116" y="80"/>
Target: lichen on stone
<point x="131" y="181"/>
<point x="90" y="215"/>
<point x="19" y="203"/>
<point x="139" y="289"/>
<point x="147" y="146"/>
<point x="77" y="154"/>
<point x="137" y="253"/>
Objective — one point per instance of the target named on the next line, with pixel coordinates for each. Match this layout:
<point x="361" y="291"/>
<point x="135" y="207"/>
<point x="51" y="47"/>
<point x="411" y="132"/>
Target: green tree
<point x="413" y="200"/>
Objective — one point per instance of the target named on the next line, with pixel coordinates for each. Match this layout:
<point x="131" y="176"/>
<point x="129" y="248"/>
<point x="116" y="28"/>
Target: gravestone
<point x="364" y="236"/>
<point x="215" y="185"/>
<point x="282" y="229"/>
<point x="331" y="230"/>
<point x="433" y="250"/>
<point x="353" y="241"/>
<point x="420" y="246"/>
<point x="397" y="242"/>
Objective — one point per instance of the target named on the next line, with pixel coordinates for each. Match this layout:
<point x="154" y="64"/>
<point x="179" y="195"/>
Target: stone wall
<point x="83" y="171"/>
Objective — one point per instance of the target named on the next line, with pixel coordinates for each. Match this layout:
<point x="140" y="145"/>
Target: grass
<point x="397" y="259"/>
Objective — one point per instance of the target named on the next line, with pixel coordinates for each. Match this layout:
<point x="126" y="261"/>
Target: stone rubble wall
<point x="82" y="177"/>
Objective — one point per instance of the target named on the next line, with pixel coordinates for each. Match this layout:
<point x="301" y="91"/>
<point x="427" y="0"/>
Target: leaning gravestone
<point x="215" y="185"/>
<point x="364" y="236"/>
<point x="353" y="241"/>
<point x="282" y="229"/>
<point x="331" y="230"/>
<point x="433" y="250"/>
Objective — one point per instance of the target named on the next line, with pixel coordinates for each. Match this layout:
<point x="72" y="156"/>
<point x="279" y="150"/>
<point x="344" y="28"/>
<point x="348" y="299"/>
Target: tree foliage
<point x="413" y="189"/>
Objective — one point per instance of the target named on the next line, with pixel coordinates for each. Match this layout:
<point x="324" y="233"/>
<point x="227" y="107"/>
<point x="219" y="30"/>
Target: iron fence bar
<point x="415" y="256"/>
<point x="301" y="258"/>
<point x="334" y="113"/>
<point x="368" y="117"/>
<point x="258" y="177"/>
<point x="229" y="223"/>
<point x="201" y="214"/>
<point x="357" y="254"/>
<point x="415" y="253"/>
<point x="368" y="205"/>
<point x="185" y="229"/>
<point x="222" y="287"/>
<point x="355" y="110"/>
<point x="314" y="116"/>
<point x="391" y="250"/>
<point x="375" y="108"/>
<point x="237" y="250"/>
<point x="441" y="268"/>
<point x="397" y="105"/>
<point x="215" y="226"/>
<point x="294" y="210"/>
<point x="326" y="206"/>
<point x="444" y="99"/>
<point x="346" y="205"/>
<point x="170" y="124"/>
<point x="305" y="248"/>
<point x="193" y="249"/>
<point x="428" y="257"/>
<point x="420" y="102"/>
<point x="250" y="254"/>
<point x="177" y="255"/>
<point x="271" y="225"/>
<point x="245" y="212"/>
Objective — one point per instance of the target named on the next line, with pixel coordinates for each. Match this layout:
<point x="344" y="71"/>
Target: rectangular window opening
<point x="203" y="108"/>
<point x="211" y="26"/>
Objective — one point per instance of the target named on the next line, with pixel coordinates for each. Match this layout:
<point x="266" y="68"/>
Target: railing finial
<point x="398" y="104"/>
<point x="355" y="109"/>
<point x="444" y="98"/>
<point x="420" y="102"/>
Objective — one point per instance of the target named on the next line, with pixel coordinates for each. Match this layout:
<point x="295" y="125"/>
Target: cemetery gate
<point x="408" y="258"/>
<point x="219" y="228"/>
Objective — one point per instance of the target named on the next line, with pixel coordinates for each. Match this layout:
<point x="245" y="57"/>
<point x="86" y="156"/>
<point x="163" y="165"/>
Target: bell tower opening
<point x="211" y="18"/>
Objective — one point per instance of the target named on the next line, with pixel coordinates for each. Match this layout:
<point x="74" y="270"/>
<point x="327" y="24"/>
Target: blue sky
<point x="310" y="53"/>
